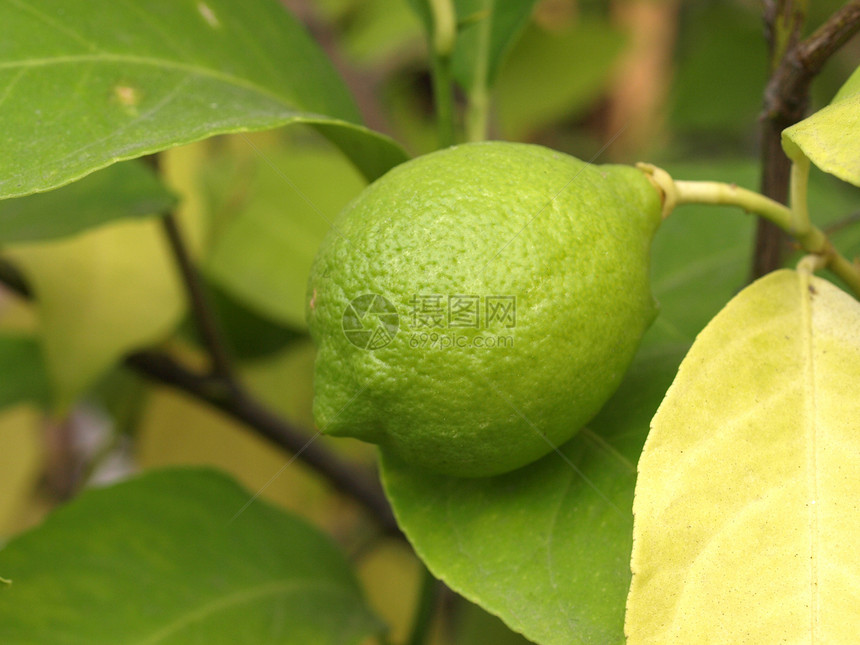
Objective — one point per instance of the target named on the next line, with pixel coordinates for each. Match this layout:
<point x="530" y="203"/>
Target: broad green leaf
<point x="539" y="85"/>
<point x="22" y="371"/>
<point x="831" y="136"/>
<point x="746" y="505"/>
<point x="287" y="203"/>
<point x="249" y="335"/>
<point x="98" y="295"/>
<point x="424" y="12"/>
<point x="87" y="84"/>
<point x="724" y="108"/>
<point x="546" y="548"/>
<point x="488" y="30"/>
<point x="164" y="559"/>
<point x="123" y="190"/>
<point x="378" y="30"/>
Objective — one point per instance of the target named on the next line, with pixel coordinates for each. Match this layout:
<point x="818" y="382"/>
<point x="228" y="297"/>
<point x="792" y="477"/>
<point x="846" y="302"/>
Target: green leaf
<point x="831" y="136"/>
<point x="375" y="31"/>
<point x="726" y="106"/>
<point x="490" y="30"/>
<point x="122" y="190"/>
<point x="164" y="559"/>
<point x="538" y="85"/>
<point x="22" y="371"/>
<point x="425" y="15"/>
<point x="249" y="335"/>
<point x="487" y="30"/>
<point x="746" y="504"/>
<point x="546" y="547"/>
<point x="89" y="84"/>
<point x="263" y="256"/>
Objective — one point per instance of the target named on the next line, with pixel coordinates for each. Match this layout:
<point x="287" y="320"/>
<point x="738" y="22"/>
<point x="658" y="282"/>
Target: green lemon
<point x="475" y="307"/>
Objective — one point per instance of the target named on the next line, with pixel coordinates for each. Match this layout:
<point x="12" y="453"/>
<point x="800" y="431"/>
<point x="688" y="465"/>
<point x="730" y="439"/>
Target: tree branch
<point x="813" y="52"/>
<point x="244" y="408"/>
<point x="786" y="99"/>
<point x="198" y="300"/>
<point x="229" y="397"/>
<point x="787" y="92"/>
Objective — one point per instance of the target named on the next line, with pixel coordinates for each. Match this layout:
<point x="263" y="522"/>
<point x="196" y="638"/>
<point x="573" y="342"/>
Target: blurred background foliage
<point x="675" y="83"/>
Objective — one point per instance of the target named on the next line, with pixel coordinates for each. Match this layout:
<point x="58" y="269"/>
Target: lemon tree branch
<point x="242" y="406"/>
<point x="794" y="64"/>
<point x="198" y="300"/>
<point x="794" y="221"/>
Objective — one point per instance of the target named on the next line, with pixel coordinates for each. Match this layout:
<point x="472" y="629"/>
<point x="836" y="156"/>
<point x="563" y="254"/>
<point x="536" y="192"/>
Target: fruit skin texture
<point x="568" y="239"/>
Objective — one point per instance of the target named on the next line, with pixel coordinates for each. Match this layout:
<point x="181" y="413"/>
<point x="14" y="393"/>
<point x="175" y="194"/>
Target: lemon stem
<point x="442" y="46"/>
<point x="478" y="107"/>
<point x="794" y="221"/>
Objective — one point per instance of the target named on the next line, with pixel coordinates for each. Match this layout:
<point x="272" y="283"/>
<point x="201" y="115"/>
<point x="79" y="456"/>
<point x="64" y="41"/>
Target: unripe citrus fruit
<point x="476" y="306"/>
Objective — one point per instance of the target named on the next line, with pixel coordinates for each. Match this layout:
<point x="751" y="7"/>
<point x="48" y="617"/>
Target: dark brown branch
<point x="242" y="407"/>
<point x="787" y="92"/>
<point x="816" y="50"/>
<point x="13" y="280"/>
<point x="201" y="309"/>
<point x="230" y="398"/>
<point x="786" y="100"/>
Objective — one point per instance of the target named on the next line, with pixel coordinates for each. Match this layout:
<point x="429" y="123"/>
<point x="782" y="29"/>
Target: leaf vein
<point x="128" y="59"/>
<point x="48" y="20"/>
<point x="812" y="449"/>
<point x="11" y="85"/>
<point x="237" y="598"/>
<point x="608" y="448"/>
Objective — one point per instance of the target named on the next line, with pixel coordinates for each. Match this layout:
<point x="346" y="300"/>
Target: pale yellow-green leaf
<point x="391" y="574"/>
<point x="851" y="87"/>
<point x="747" y="506"/>
<point x="831" y="136"/>
<point x="99" y="295"/>
<point x="21" y="458"/>
<point x="112" y="289"/>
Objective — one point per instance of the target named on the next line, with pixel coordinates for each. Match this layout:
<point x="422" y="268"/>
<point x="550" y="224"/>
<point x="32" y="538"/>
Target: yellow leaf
<point x="391" y="576"/>
<point x="112" y="289"/>
<point x="831" y="136"/>
<point x="99" y="295"/>
<point x="21" y="460"/>
<point x="747" y="506"/>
